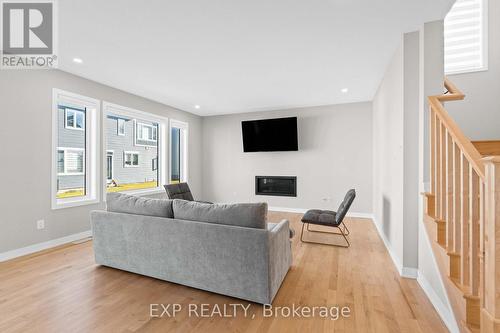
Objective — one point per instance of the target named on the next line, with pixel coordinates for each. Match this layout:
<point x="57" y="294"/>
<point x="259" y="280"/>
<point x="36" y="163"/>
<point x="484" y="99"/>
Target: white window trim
<point x="131" y="153"/>
<point x="484" y="44"/>
<point x="92" y="144"/>
<point x="118" y="127"/>
<point x="66" y="173"/>
<point x="74" y="121"/>
<point x="136" y="124"/>
<point x="184" y="152"/>
<point x="162" y="146"/>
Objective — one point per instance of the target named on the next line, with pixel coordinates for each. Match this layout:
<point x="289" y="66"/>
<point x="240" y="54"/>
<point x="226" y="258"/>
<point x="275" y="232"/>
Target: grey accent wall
<point x="479" y="114"/>
<point x="335" y="154"/>
<point x="25" y="171"/>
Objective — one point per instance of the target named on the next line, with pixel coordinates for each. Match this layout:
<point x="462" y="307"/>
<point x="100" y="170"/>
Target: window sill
<point x="66" y="203"/>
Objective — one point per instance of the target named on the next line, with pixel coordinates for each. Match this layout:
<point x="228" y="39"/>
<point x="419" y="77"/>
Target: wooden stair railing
<point x="465" y="203"/>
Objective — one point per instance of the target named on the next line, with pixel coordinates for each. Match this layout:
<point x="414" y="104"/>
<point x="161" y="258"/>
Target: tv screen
<point x="278" y="134"/>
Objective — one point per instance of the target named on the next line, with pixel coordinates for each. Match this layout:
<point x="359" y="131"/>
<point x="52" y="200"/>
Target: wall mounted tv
<point x="278" y="134"/>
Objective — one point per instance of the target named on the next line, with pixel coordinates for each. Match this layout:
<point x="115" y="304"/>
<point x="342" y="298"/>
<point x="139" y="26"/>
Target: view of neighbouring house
<point x="131" y="152"/>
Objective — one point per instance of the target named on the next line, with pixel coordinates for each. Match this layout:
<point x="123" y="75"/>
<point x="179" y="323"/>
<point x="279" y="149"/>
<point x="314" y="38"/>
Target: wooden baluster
<point x="453" y="208"/>
<point x="455" y="267"/>
<point x="440" y="182"/>
<point x="474" y="209"/>
<point x="482" y="217"/>
<point x="450" y="236"/>
<point x="439" y="210"/>
<point x="465" y="216"/>
<point x="472" y="297"/>
<point x="490" y="314"/>
<point x="431" y="199"/>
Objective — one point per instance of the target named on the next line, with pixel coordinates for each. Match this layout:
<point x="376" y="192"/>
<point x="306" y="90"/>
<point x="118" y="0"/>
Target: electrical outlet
<point x="40" y="224"/>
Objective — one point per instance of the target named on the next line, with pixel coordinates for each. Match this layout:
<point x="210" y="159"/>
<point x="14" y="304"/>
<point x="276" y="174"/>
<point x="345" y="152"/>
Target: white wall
<point x="25" y="150"/>
<point x="334" y="155"/>
<point x="396" y="155"/>
<point x="479" y="114"/>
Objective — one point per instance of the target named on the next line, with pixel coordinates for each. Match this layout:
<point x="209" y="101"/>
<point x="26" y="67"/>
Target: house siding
<point x="69" y="138"/>
<point x="118" y="144"/>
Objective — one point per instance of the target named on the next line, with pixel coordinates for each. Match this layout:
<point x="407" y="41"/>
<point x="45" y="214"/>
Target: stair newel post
<point x="490" y="314"/>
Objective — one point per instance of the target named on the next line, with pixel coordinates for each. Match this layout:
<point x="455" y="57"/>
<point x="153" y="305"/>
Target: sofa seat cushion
<point x="129" y="204"/>
<point x="249" y="215"/>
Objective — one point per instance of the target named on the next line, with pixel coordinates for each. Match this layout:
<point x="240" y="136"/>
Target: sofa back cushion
<point x="249" y="215"/>
<point x="129" y="204"/>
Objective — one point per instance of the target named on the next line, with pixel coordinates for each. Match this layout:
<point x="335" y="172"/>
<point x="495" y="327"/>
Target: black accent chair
<point x="180" y="191"/>
<point x="328" y="218"/>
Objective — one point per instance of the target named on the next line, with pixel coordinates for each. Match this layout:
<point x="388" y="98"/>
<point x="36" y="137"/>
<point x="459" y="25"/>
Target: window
<point x="154" y="164"/>
<point x="146" y="132"/>
<point x="75" y="157"/>
<point x="130" y="159"/>
<point x="138" y="163"/>
<point x="178" y="151"/>
<point x="70" y="161"/>
<point x="109" y="166"/>
<point x="121" y="126"/>
<point x="74" y="118"/>
<point x="465" y="36"/>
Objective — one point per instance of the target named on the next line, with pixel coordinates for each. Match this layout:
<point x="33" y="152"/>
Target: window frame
<point x="131" y="153"/>
<point x="110" y="152"/>
<point x="140" y="122"/>
<point x="484" y="44"/>
<point x="184" y="127"/>
<point x="92" y="146"/>
<point x="118" y="120"/>
<point x="75" y="111"/>
<point x="162" y="143"/>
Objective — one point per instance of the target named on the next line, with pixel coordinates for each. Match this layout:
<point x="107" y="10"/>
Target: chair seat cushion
<point x="318" y="216"/>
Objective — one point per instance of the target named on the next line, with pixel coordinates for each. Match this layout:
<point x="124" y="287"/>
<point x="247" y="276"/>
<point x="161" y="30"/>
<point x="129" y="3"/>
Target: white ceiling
<point x="231" y="56"/>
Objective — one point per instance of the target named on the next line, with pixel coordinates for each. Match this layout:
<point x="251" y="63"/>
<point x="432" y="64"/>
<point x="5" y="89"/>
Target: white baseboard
<point x="443" y="310"/>
<point x="409" y="272"/>
<point x="303" y="210"/>
<point x="288" y="210"/>
<point x="43" y="246"/>
<point x="406" y="272"/>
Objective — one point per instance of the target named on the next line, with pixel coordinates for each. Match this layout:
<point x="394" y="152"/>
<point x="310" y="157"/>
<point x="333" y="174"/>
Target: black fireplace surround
<point x="276" y="185"/>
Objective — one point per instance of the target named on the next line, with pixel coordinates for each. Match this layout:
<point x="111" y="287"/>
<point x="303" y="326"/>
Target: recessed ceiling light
<point x="196" y="106"/>
<point x="344" y="90"/>
<point x="77" y="60"/>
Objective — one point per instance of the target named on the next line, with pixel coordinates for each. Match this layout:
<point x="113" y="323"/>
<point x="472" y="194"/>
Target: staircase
<point x="462" y="217"/>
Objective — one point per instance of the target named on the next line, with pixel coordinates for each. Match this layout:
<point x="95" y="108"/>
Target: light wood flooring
<point x="63" y="290"/>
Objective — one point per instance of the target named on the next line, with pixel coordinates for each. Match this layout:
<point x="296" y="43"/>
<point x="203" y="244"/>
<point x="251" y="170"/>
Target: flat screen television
<point x="278" y="134"/>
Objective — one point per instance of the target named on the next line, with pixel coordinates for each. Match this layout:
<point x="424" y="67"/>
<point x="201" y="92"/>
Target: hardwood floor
<point x="63" y="290"/>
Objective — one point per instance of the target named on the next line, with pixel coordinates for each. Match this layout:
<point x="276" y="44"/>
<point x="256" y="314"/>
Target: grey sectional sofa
<point x="226" y="249"/>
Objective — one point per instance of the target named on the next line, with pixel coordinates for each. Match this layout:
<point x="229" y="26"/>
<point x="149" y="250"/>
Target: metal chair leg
<point x="324" y="232"/>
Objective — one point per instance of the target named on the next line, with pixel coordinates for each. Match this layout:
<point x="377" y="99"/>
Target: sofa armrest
<point x="280" y="255"/>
